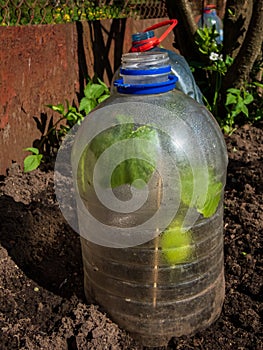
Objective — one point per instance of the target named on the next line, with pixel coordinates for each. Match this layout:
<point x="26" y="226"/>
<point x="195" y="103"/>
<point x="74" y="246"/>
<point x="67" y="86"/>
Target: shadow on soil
<point x="42" y="245"/>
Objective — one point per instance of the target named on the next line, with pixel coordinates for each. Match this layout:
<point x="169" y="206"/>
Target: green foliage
<point x="33" y="161"/>
<point x="46" y="144"/>
<point x="209" y="75"/>
<point x="193" y="183"/>
<point x="134" y="169"/>
<point x="52" y="133"/>
<point x="237" y="102"/>
<point x="70" y="114"/>
<point x="95" y="93"/>
<point x="206" y="40"/>
<point x="199" y="187"/>
<point x="177" y="242"/>
<point x="47" y="12"/>
<point x="131" y="169"/>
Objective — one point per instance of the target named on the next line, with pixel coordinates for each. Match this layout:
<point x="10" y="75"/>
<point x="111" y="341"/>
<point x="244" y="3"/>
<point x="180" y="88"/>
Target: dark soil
<point x="42" y="304"/>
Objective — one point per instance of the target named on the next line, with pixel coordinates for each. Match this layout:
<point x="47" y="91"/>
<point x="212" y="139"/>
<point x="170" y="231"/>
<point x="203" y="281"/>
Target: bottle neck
<point x="145" y="68"/>
<point x="144" y="73"/>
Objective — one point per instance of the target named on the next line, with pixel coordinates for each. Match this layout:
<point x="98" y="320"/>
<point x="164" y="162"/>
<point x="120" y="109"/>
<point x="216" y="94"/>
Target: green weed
<point x="52" y="133"/>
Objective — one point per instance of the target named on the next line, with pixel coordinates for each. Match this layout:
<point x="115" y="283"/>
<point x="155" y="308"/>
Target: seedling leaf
<point x="32" y="162"/>
<point x="231" y="99"/>
<point x="34" y="150"/>
<point x="87" y="104"/>
<point x="193" y="194"/>
<point x="57" y="108"/>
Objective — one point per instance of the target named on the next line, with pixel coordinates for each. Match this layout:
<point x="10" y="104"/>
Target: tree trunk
<point x="236" y="22"/>
<point x="249" y="51"/>
<point x="221" y="6"/>
<point x="185" y="30"/>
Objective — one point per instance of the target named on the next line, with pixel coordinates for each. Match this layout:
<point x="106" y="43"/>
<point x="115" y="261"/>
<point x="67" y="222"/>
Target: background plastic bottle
<point x="210" y="18"/>
<point x="172" y="283"/>
<point x="146" y="41"/>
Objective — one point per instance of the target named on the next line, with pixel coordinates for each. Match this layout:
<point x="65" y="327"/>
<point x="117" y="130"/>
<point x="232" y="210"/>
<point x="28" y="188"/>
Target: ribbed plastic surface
<point x="171" y="283"/>
<point x="187" y="297"/>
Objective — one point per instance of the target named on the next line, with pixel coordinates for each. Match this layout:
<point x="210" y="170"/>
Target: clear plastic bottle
<point x="146" y="41"/>
<point x="210" y="18"/>
<point x="156" y="268"/>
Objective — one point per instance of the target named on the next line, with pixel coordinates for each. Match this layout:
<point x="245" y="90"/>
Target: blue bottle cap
<point x="146" y="89"/>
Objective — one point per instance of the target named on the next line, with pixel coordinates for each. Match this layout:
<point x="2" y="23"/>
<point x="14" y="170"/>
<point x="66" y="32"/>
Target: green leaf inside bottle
<point x="176" y="244"/>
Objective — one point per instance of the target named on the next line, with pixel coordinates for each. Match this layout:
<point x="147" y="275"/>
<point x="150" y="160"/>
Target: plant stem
<point x="217" y="88"/>
<point x="49" y="131"/>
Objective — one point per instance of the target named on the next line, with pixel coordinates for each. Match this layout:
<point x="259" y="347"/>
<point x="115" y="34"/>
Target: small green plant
<point x="200" y="189"/>
<point x="205" y="202"/>
<point x="236" y="104"/>
<point x="177" y="243"/>
<point x="193" y="181"/>
<point x="240" y="105"/>
<point x="52" y="133"/>
<point x="206" y="40"/>
<point x="210" y="74"/>
<point x="131" y="169"/>
<point x="95" y="92"/>
<point x="33" y="161"/>
<point x="70" y="114"/>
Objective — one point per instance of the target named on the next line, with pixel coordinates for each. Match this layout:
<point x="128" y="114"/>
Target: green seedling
<point x="95" y="92"/>
<point x="32" y="161"/>
<point x="236" y="103"/>
<point x="199" y="186"/>
<point x="200" y="190"/>
<point x="53" y="133"/>
<point x="131" y="169"/>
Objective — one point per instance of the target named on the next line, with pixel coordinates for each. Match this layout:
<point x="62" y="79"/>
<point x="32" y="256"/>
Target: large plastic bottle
<point x="150" y="167"/>
<point x="147" y="41"/>
<point x="210" y="18"/>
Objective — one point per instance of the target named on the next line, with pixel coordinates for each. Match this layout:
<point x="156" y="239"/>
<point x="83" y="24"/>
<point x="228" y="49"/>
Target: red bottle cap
<point x="147" y="44"/>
